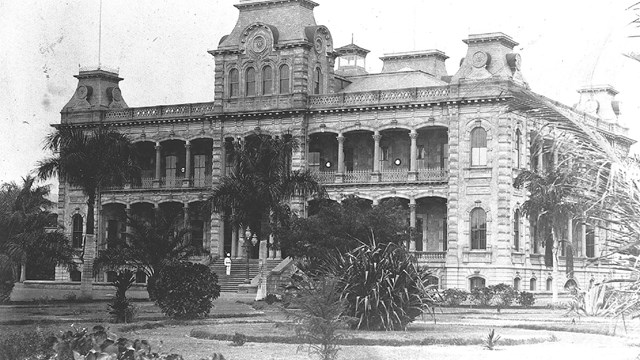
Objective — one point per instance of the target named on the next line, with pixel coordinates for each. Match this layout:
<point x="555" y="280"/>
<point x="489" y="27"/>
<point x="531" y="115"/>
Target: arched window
<point x="478" y="229"/>
<point x="590" y="239"/>
<point x="478" y="147"/>
<point x="77" y="231"/>
<point x="532" y="284"/>
<point x="516" y="284"/>
<point x="267" y="80"/>
<point x="517" y="149"/>
<point x="516" y="230"/>
<point x="317" y="81"/>
<point x="549" y="284"/>
<point x="476" y="282"/>
<point x="250" y="82"/>
<point x="234" y="82"/>
<point x="284" y="79"/>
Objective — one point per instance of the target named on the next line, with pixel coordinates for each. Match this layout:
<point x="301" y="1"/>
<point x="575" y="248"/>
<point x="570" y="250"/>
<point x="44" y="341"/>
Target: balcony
<point x="432" y="175"/>
<point x="430" y="256"/>
<point x="165" y="183"/>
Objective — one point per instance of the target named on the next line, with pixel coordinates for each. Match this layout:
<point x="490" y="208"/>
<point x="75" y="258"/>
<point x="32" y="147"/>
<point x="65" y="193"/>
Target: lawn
<point x="457" y="333"/>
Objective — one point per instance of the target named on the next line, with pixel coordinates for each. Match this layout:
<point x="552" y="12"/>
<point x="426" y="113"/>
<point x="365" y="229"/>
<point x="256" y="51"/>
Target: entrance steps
<point x="230" y="283"/>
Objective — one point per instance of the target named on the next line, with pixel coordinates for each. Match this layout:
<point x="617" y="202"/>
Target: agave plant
<point x="491" y="341"/>
<point x="383" y="288"/>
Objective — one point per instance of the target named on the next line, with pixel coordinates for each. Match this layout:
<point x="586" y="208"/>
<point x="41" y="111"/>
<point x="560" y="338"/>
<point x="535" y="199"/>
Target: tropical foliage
<point x="25" y="215"/>
<point x="343" y="227"/>
<point x="120" y="308"/>
<point x="186" y="290"/>
<point x="256" y="192"/>
<point x="151" y="245"/>
<point x="90" y="160"/>
<point x="382" y="286"/>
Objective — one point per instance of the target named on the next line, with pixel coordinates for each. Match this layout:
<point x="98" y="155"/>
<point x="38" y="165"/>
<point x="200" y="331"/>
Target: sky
<point x="160" y="48"/>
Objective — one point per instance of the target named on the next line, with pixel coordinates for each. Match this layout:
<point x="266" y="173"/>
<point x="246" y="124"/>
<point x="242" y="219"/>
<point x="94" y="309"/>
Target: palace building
<point x="440" y="142"/>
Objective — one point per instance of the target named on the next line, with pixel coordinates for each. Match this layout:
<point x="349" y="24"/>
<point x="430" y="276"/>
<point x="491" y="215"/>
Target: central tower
<point x="275" y="54"/>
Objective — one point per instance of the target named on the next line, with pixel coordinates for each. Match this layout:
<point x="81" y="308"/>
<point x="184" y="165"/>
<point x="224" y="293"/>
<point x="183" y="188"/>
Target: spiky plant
<point x="491" y="340"/>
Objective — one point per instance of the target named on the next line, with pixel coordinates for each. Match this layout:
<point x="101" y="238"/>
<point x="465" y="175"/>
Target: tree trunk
<point x="555" y="272"/>
<point x="91" y="201"/>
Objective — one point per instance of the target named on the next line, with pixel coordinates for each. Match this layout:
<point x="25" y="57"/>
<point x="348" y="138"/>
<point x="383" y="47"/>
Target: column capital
<point x="376" y="136"/>
<point x="187" y="144"/>
<point x="340" y="138"/>
<point x="412" y="206"/>
<point x="413" y="134"/>
<point x="158" y="146"/>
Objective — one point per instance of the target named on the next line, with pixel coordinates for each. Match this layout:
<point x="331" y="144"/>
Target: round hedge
<point x="186" y="291"/>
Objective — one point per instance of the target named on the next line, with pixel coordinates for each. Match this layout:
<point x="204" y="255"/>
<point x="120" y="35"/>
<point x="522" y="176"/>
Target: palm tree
<point x="91" y="161"/>
<point x="261" y="184"/>
<point x="149" y="247"/>
<point x="24" y="216"/>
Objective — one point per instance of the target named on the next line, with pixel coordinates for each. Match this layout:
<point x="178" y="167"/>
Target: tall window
<point x="197" y="234"/>
<point x="478" y="229"/>
<point x="478" y="147"/>
<point x="476" y="283"/>
<point x="317" y="81"/>
<point x="284" y="79"/>
<point x="250" y="82"/>
<point x="516" y="230"/>
<point x="549" y="284"/>
<point x="516" y="284"/>
<point x="517" y="149"/>
<point x="77" y="231"/>
<point x="234" y="82"/>
<point x="267" y="80"/>
<point x="532" y="284"/>
<point x="171" y="166"/>
<point x="199" y="170"/>
<point x="112" y="230"/>
<point x="590" y="239"/>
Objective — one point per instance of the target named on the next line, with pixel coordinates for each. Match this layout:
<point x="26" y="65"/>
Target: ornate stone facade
<point x="443" y="144"/>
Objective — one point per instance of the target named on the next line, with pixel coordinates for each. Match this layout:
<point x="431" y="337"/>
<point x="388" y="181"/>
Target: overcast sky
<point x="160" y="48"/>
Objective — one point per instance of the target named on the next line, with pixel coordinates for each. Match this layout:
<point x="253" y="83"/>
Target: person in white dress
<point x="227" y="263"/>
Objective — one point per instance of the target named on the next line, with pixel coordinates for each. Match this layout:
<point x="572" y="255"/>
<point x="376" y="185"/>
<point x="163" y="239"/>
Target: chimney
<point x="599" y="100"/>
<point x="490" y="55"/>
<point x="429" y="61"/>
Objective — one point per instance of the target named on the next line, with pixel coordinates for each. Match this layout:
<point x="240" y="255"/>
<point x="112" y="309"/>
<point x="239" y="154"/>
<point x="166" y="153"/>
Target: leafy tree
<point x="91" y="160"/>
<point x="261" y="184"/>
<point x="343" y="227"/>
<point x="151" y="245"/>
<point x="552" y="203"/>
<point x="24" y="216"/>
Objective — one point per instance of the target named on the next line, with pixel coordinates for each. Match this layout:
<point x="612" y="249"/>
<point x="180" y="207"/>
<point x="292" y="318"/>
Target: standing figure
<point x="227" y="263"/>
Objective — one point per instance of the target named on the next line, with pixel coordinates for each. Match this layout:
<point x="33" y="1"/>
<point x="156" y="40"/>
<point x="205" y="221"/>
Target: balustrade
<point x="357" y="176"/>
<point x="394" y="175"/>
<point x="430" y="256"/>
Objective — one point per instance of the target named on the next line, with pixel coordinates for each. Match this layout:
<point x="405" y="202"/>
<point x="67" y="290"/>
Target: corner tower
<point x="276" y="53"/>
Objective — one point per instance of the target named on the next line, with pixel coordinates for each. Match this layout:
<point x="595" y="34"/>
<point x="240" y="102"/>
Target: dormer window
<point x="284" y="79"/>
<point x="250" y="82"/>
<point x="234" y="83"/>
<point x="317" y="81"/>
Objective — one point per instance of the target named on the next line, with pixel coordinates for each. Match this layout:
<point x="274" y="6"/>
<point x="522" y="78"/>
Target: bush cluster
<point x="186" y="290"/>
<point x="6" y="286"/>
<point x="79" y="344"/>
<point x="501" y="296"/>
<point x="454" y="297"/>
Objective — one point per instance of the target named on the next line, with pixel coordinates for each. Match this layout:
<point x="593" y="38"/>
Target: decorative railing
<point x="394" y="175"/>
<point x="430" y="255"/>
<point x="167" y="183"/>
<point x="325" y="177"/>
<point x="171" y="182"/>
<point x="379" y="97"/>
<point x="433" y="175"/>
<point x="144" y="183"/>
<point x="357" y="176"/>
<point x="169" y="111"/>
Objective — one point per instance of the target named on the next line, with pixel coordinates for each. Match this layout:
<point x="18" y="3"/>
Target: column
<point x="541" y="157"/>
<point x="569" y="233"/>
<point x="583" y="240"/>
<point x="185" y="217"/>
<point x="340" y="175"/>
<point x="412" y="223"/>
<point x="186" y="182"/>
<point x="221" y="227"/>
<point x="376" y="156"/>
<point x="234" y="242"/>
<point x="413" y="163"/>
<point x="128" y="214"/>
<point x="156" y="181"/>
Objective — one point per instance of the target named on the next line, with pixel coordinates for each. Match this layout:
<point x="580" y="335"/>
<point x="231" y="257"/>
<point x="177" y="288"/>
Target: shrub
<point x="121" y="309"/>
<point x="238" y="339"/>
<point x="454" y="297"/>
<point x="502" y="295"/>
<point x="186" y="290"/>
<point x="271" y="298"/>
<point x="525" y="299"/>
<point x="6" y="287"/>
<point x="320" y="315"/>
<point x="481" y="296"/>
<point x="383" y="287"/>
<point x="23" y="345"/>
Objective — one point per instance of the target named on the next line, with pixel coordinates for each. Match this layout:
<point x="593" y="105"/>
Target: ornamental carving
<point x="480" y="59"/>
<point x="258" y="40"/>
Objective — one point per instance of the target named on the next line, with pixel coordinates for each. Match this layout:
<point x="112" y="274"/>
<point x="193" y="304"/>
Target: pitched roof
<point x="395" y="80"/>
